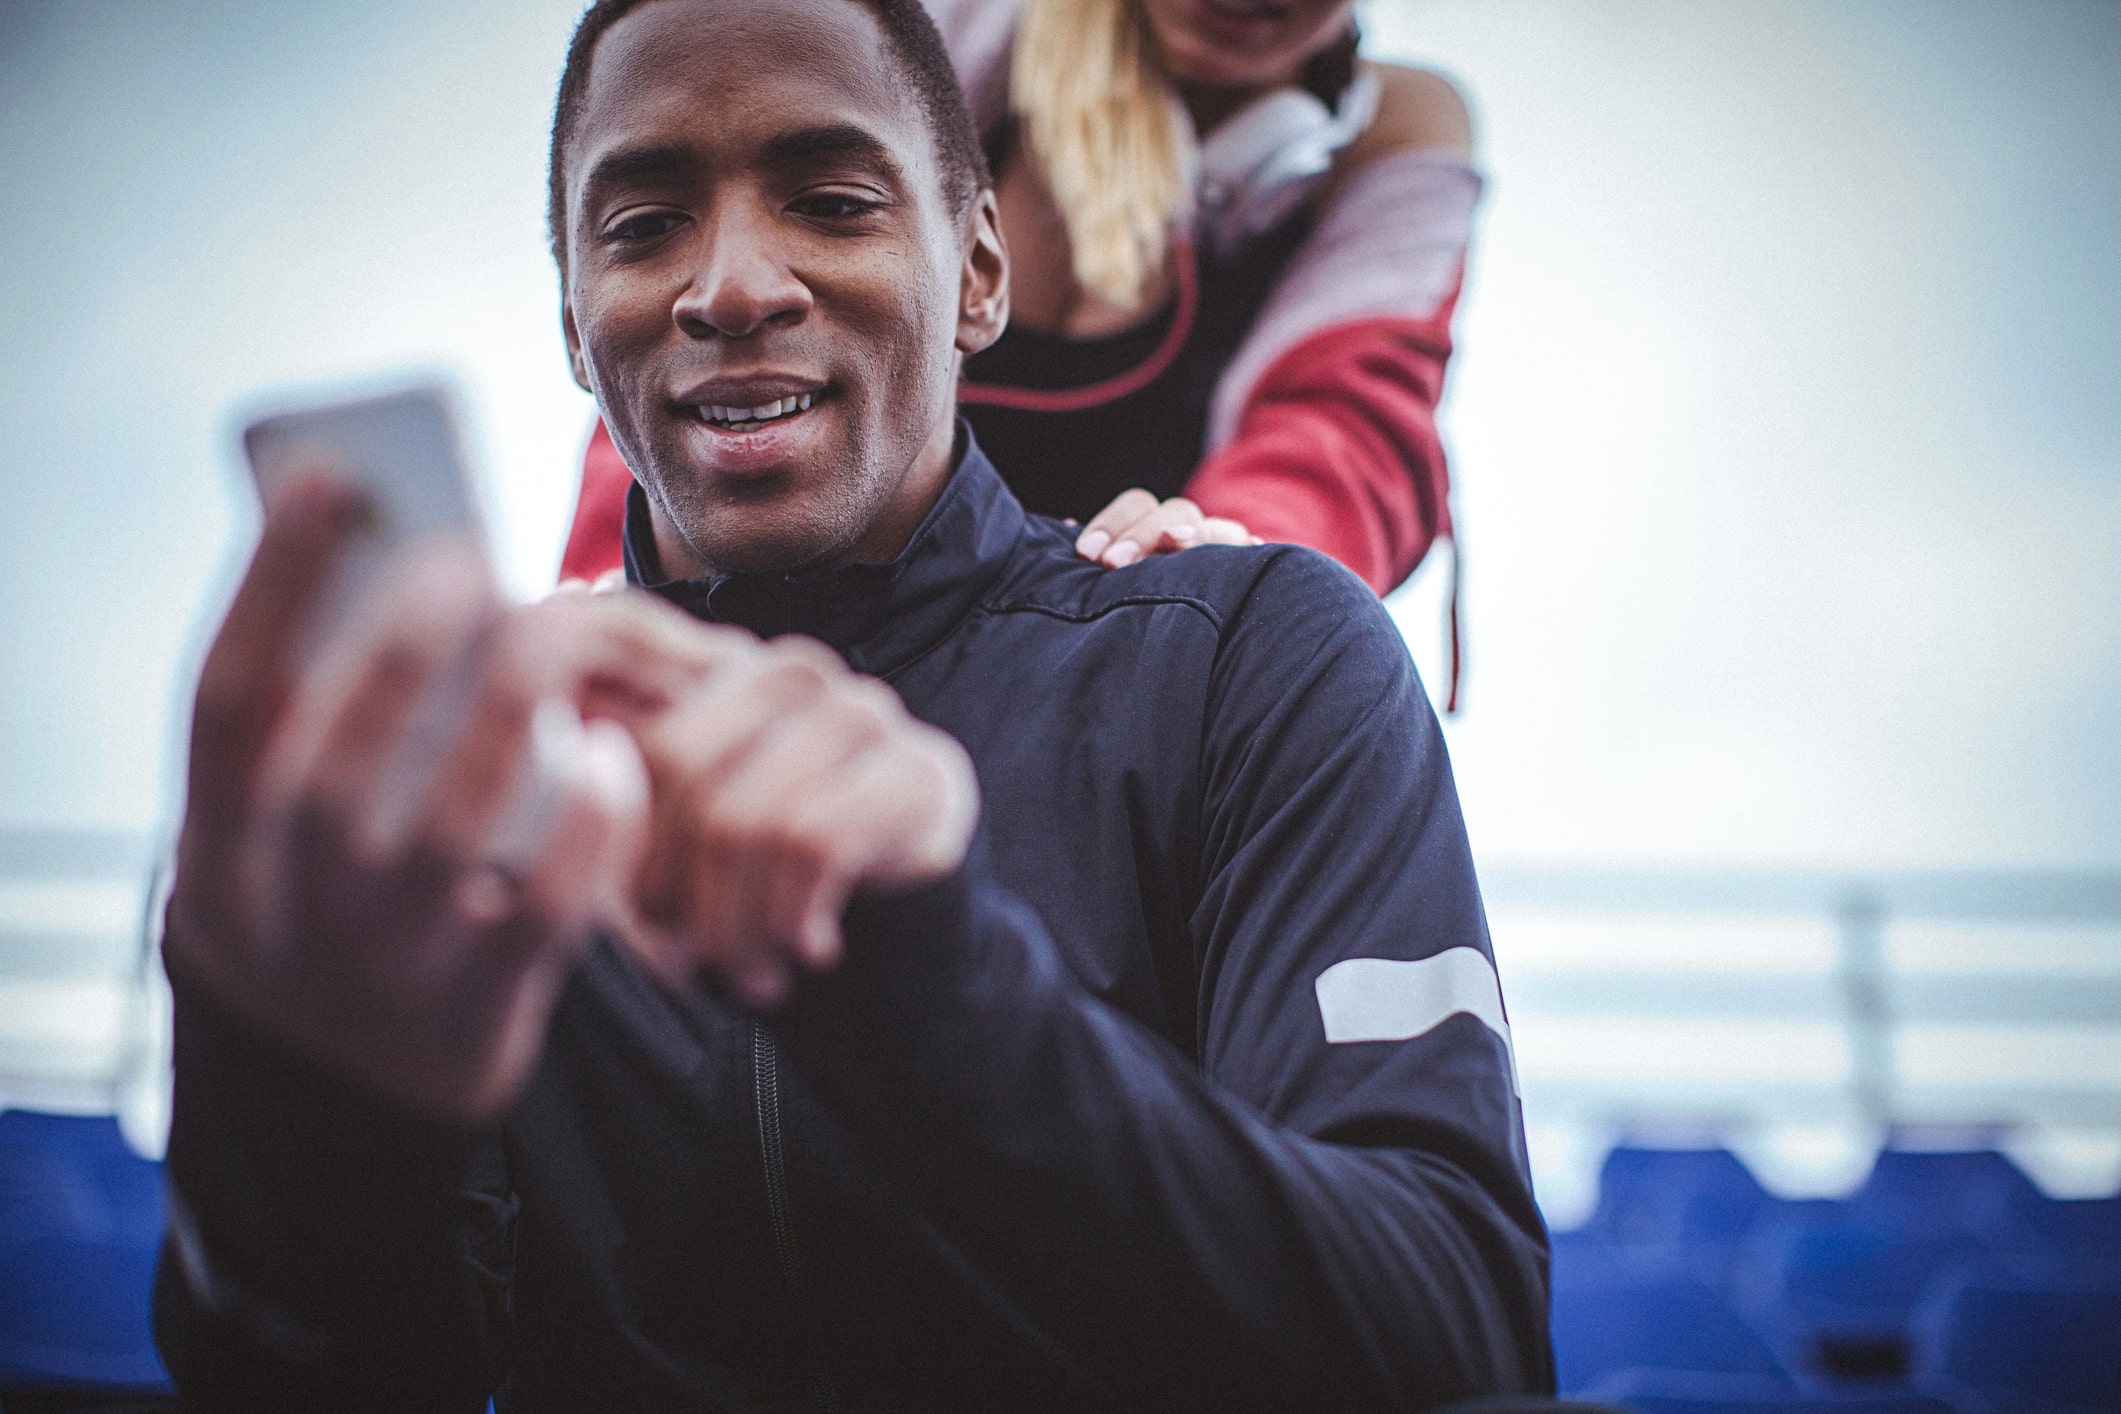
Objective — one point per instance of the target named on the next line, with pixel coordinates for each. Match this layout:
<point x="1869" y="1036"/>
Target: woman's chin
<point x="1193" y="64"/>
<point x="1240" y="44"/>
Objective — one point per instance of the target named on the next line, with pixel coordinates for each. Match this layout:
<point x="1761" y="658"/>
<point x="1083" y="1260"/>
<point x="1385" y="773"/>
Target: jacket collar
<point x="880" y="617"/>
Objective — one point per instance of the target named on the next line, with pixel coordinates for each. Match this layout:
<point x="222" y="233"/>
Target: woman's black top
<point x="1071" y="462"/>
<point x="1081" y="445"/>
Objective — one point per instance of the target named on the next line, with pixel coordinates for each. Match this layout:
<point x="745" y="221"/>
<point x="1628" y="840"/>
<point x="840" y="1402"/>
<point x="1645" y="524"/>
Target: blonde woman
<point x="1235" y="249"/>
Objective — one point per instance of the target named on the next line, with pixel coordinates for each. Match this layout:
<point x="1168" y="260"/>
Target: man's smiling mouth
<point x="746" y="419"/>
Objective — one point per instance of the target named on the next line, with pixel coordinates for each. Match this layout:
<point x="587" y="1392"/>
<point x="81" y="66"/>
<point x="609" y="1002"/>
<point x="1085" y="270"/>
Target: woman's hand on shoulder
<point x="1136" y="525"/>
<point x="1418" y="110"/>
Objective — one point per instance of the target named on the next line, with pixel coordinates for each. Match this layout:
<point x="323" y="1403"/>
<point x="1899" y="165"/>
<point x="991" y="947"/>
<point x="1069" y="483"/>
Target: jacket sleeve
<point x="1331" y="1208"/>
<point x="1338" y="449"/>
<point x="325" y="1251"/>
<point x="1322" y="428"/>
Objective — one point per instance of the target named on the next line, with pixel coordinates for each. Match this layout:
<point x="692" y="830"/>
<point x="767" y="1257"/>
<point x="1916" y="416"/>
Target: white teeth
<point x="766" y="412"/>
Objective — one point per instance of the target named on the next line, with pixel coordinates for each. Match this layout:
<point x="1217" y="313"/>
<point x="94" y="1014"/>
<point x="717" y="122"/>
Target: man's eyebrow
<point x="831" y="141"/>
<point x="631" y="164"/>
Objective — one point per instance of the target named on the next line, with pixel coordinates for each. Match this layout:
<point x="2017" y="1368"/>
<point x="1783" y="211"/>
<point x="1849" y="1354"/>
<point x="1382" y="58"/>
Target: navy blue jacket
<point x="1088" y="1126"/>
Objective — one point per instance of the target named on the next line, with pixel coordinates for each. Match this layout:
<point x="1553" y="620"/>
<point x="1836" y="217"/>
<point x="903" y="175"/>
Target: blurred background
<point x="1786" y="423"/>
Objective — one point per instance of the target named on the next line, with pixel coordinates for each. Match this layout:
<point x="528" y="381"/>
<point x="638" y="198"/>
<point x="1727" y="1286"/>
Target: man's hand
<point x="395" y="841"/>
<point x="1137" y="524"/>
<point x="783" y="785"/>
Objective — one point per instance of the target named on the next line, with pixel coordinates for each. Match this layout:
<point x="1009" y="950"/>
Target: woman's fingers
<point x="1136" y="525"/>
<point x="1176" y="524"/>
<point x="1108" y="525"/>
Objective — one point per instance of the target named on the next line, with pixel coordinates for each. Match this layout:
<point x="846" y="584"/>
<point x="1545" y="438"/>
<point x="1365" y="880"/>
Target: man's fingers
<point x="721" y="719"/>
<point x="886" y="818"/>
<point x="691" y="750"/>
<point x="251" y="670"/>
<point x="1221" y="530"/>
<point x="421" y="961"/>
<point x="798" y="856"/>
<point x="637" y="654"/>
<point x="510" y="745"/>
<point x="736" y="861"/>
<point x="896" y="814"/>
<point x="1109" y="524"/>
<point x="622" y="625"/>
<point x="598" y="827"/>
<point x="780" y="783"/>
<point x="774" y="806"/>
<point x="808" y="742"/>
<point x="918" y="802"/>
<point x="518" y="924"/>
<point x="345" y="741"/>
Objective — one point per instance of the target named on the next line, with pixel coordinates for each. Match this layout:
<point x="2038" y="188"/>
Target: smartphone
<point x="401" y="450"/>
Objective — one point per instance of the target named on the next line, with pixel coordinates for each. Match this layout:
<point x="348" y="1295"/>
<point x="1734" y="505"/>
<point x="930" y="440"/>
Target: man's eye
<point x="644" y="227"/>
<point x="833" y="206"/>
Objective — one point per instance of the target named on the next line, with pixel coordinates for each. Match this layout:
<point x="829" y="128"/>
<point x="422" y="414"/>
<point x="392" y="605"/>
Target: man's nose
<point x="741" y="282"/>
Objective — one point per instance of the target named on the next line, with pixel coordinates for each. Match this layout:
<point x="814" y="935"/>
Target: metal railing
<point x="1853" y="981"/>
<point x="83" y="1015"/>
<point x="1806" y="1016"/>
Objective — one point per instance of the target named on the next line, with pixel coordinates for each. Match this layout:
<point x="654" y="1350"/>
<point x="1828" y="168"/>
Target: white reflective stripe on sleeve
<point x="1393" y="999"/>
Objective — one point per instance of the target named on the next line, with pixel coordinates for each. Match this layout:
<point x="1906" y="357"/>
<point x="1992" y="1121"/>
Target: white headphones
<point x="1264" y="160"/>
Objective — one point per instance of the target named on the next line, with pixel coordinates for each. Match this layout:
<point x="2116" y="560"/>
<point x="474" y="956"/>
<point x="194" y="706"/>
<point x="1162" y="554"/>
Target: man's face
<point x="765" y="286"/>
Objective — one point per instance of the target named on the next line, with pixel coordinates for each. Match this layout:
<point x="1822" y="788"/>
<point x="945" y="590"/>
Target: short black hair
<point x="912" y="37"/>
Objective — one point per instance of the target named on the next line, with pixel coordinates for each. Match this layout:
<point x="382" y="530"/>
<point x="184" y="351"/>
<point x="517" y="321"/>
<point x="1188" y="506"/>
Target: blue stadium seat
<point x="1617" y="1323"/>
<point x="1965" y="1191"/>
<point x="1855" y="1276"/>
<point x="1948" y="1281"/>
<point x="2067" y="1231"/>
<point x="1836" y="1289"/>
<point x="1677" y="1199"/>
<point x="2022" y="1347"/>
<point x="80" y="1220"/>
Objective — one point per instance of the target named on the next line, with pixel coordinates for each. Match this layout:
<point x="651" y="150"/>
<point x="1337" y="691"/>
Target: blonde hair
<point x="1103" y="123"/>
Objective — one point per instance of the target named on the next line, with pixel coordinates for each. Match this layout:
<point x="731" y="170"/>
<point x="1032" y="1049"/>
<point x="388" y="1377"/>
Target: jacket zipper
<point x="766" y="1091"/>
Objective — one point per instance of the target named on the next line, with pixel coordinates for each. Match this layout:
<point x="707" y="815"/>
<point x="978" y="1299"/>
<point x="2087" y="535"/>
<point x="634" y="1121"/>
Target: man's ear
<point x="983" y="284"/>
<point x="574" y="346"/>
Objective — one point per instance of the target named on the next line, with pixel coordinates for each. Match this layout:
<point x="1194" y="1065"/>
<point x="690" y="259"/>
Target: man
<point x="1178" y="1081"/>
